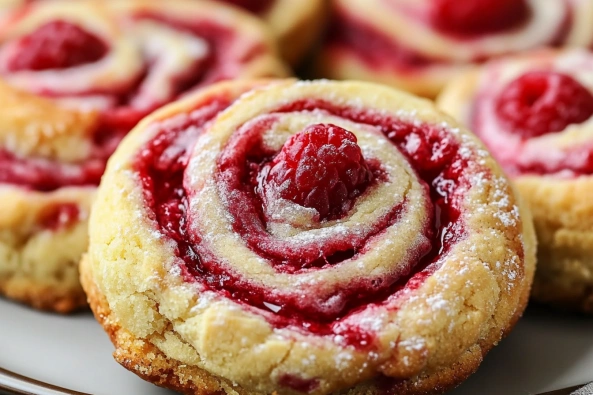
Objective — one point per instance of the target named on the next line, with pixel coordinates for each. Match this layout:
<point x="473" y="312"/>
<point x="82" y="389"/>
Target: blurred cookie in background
<point x="76" y="76"/>
<point x="535" y="113"/>
<point x="419" y="45"/>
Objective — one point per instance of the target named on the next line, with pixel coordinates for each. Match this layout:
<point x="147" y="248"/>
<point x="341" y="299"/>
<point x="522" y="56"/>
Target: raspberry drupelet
<point x="321" y="167"/>
<point x="542" y="102"/>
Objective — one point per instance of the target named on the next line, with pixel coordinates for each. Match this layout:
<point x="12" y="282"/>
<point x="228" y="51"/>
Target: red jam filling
<point x="321" y="167"/>
<point x="379" y="51"/>
<point x="298" y="383"/>
<point x="219" y="65"/>
<point x="371" y="46"/>
<point x="60" y="216"/>
<point x="241" y="164"/>
<point x="46" y="175"/>
<point x="535" y="104"/>
<point x="42" y="174"/>
<point x="542" y="102"/>
<point x="469" y="18"/>
<point x="61" y="44"/>
<point x="255" y="6"/>
<point x="434" y="154"/>
<point x="57" y="45"/>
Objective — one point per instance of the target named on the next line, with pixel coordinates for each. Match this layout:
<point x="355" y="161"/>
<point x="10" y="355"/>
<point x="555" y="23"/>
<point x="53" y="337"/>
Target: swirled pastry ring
<point x="76" y="77"/>
<point x="535" y="113"/>
<point x="216" y="260"/>
<point x="419" y="45"/>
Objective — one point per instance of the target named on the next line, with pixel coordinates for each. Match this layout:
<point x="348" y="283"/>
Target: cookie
<point x="534" y="113"/>
<point x="305" y="237"/>
<point x="76" y="77"/>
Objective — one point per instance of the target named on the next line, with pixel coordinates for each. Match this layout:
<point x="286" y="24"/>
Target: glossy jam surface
<point x="57" y="45"/>
<point x="160" y="166"/>
<point x="255" y="6"/>
<point x="321" y="167"/>
<point x="239" y="167"/>
<point x="60" y="216"/>
<point x="542" y="102"/>
<point x="467" y="18"/>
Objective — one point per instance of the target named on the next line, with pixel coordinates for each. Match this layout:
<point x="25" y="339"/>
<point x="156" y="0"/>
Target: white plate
<point x="546" y="351"/>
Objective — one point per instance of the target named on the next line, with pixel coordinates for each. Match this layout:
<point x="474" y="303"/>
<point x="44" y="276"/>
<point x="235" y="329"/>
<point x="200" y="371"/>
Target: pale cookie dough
<point x="169" y="309"/>
<point x="560" y="198"/>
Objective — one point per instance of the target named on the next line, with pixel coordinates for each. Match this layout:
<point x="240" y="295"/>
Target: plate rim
<point x="30" y="386"/>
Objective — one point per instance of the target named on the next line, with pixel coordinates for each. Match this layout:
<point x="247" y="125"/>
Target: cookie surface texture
<point x="219" y="263"/>
<point x="534" y="113"/>
<point x="75" y="78"/>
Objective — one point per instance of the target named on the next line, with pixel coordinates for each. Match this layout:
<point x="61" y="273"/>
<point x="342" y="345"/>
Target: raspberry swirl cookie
<point x="129" y="57"/>
<point x="305" y="237"/>
<point x="78" y="76"/>
<point x="296" y="24"/>
<point x="535" y="113"/>
<point x="419" y="45"/>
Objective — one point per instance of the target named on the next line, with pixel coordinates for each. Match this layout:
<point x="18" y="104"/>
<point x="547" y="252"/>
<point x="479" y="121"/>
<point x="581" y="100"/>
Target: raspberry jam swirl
<point x="464" y="31"/>
<point x="393" y="41"/>
<point x="535" y="113"/>
<point x="120" y="60"/>
<point x="313" y="212"/>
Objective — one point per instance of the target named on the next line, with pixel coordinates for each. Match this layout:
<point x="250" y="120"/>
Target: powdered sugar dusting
<point x="413" y="344"/>
<point x="323" y="288"/>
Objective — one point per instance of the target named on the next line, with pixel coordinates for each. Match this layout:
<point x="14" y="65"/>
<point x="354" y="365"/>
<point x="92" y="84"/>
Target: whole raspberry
<point x="321" y="167"/>
<point x="475" y="17"/>
<point x="57" y="45"/>
<point x="541" y="102"/>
